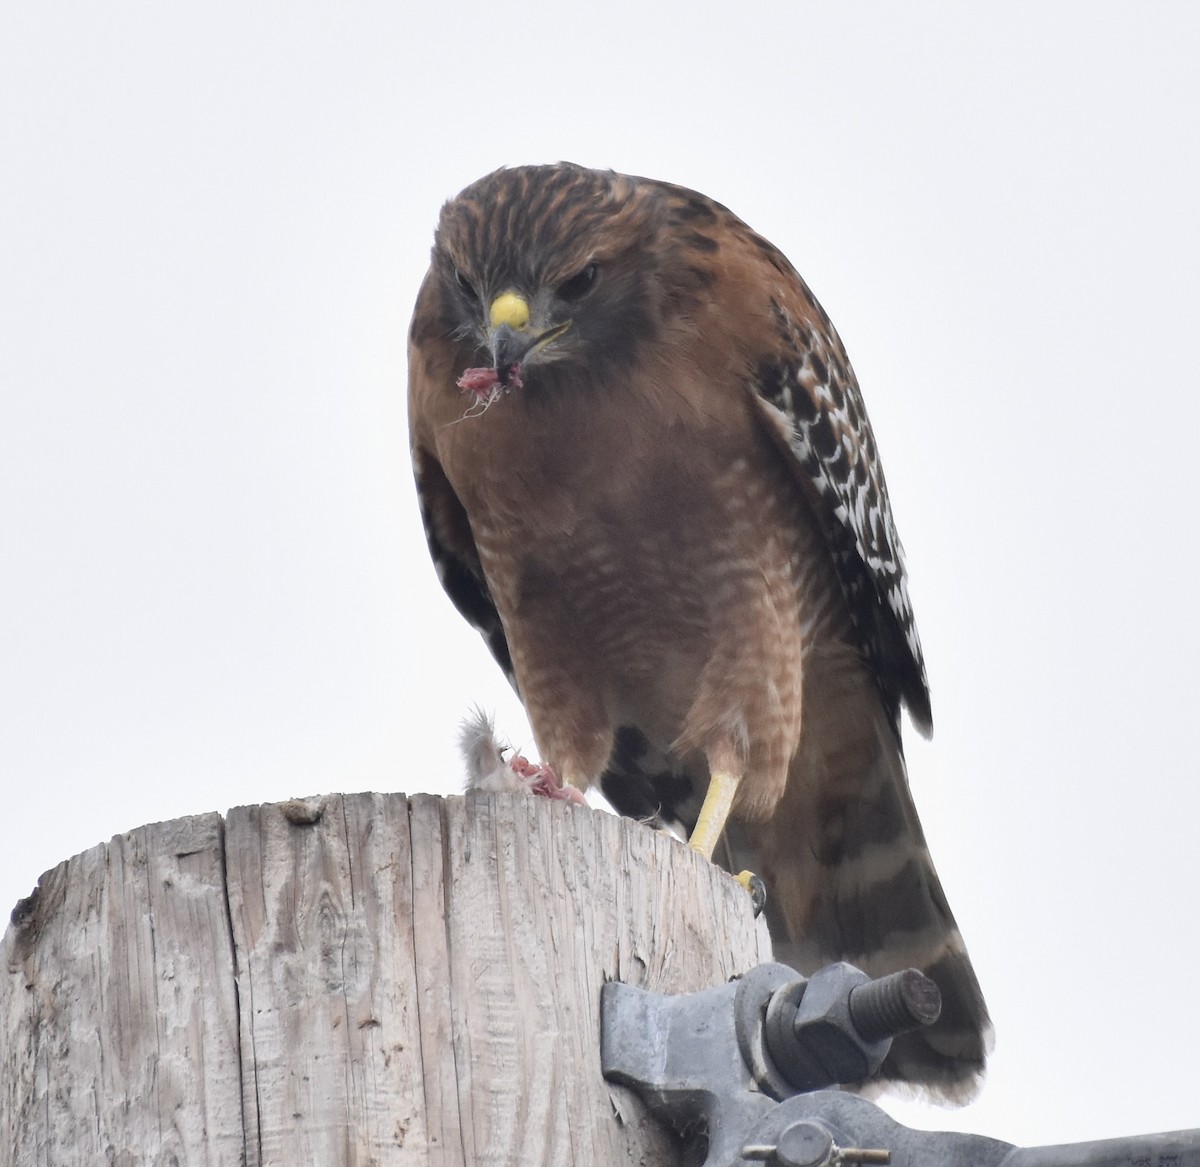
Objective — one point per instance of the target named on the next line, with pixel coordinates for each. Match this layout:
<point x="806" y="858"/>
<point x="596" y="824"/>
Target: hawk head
<point x="541" y="270"/>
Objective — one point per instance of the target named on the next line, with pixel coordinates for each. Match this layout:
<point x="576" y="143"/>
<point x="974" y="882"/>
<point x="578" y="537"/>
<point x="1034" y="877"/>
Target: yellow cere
<point x="509" y="308"/>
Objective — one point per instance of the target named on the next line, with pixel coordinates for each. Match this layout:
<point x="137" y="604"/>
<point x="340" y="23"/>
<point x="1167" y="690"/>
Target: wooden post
<point x="364" y="980"/>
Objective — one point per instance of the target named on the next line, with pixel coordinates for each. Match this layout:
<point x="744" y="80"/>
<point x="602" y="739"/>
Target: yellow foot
<point x="722" y="786"/>
<point x="755" y="888"/>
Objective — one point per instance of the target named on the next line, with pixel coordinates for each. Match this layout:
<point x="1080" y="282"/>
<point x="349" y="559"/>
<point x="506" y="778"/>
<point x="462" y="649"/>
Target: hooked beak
<point x="513" y="342"/>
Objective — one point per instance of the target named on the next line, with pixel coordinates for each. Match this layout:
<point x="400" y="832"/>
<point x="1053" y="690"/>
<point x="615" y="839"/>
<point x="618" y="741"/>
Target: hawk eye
<point x="466" y="285"/>
<point x="579" y="284"/>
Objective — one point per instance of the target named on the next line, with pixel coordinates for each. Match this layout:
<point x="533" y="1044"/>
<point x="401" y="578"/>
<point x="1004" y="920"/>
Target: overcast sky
<point x="214" y="589"/>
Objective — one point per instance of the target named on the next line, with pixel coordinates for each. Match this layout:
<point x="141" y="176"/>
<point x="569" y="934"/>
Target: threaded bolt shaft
<point x="894" y="1004"/>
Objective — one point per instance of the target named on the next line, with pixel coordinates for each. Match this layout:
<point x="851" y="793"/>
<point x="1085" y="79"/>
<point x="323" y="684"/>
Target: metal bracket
<point x="749" y="1065"/>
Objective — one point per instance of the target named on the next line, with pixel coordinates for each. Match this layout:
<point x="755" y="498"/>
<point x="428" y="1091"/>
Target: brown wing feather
<point x="801" y="376"/>
<point x="447" y="527"/>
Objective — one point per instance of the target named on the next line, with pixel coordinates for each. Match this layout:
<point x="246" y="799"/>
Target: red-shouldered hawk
<point x="647" y="478"/>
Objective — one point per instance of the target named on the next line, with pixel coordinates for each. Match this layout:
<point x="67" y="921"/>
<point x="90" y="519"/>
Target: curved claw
<point x="756" y="888"/>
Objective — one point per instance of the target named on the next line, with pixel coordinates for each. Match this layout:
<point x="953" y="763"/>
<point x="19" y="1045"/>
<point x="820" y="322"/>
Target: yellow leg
<point x="722" y="786"/>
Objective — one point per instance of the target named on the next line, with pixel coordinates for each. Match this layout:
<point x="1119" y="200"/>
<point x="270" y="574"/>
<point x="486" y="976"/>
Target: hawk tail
<point x="860" y="886"/>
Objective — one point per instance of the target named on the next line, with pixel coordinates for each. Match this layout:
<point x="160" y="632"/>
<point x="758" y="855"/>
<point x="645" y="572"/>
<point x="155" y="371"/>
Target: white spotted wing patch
<point x="810" y="384"/>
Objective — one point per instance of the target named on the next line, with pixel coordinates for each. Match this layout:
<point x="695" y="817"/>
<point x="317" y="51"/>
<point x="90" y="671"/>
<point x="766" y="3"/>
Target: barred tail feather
<point x="849" y="877"/>
<point x="848" y="874"/>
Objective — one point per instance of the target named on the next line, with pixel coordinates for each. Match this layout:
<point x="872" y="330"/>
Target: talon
<point x="542" y="780"/>
<point x="755" y="888"/>
<point x="489" y="769"/>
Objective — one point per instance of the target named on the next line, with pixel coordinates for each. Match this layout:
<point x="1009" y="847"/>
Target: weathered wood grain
<point x="323" y="926"/>
<point x="120" y="1024"/>
<point x="359" y="980"/>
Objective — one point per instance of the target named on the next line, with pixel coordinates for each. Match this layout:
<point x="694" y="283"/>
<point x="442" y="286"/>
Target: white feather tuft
<point x="484" y="755"/>
<point x="489" y="769"/>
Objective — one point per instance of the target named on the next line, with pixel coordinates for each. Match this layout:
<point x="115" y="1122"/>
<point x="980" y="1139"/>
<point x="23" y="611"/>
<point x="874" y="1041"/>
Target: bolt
<point x="861" y="1155"/>
<point x="801" y="1144"/>
<point x="894" y="1004"/>
<point x="804" y="1144"/>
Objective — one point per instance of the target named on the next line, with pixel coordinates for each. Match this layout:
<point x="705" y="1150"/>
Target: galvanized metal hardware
<point x="751" y="1064"/>
<point x="810" y="1144"/>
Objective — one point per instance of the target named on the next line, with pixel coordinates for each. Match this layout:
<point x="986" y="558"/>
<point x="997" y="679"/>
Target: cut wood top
<point x="355" y="979"/>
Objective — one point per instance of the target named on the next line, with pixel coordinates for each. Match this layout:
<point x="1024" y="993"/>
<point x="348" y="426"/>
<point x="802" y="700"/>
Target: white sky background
<point x="213" y="585"/>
